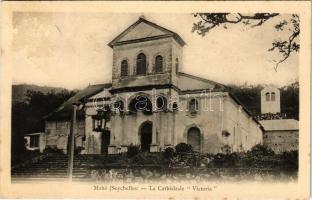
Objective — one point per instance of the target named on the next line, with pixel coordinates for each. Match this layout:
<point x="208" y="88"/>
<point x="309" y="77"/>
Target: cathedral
<point x="153" y="104"/>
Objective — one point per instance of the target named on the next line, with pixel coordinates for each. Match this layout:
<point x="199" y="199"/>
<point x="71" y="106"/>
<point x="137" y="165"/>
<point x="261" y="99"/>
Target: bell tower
<point x="270" y="100"/>
<point x="144" y="55"/>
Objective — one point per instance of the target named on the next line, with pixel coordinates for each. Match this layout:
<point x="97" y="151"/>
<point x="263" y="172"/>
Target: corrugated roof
<point x="64" y="111"/>
<point x="280" y="124"/>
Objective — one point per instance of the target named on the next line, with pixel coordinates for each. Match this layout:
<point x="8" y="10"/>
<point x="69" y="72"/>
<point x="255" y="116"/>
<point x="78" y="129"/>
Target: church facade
<point x="153" y="104"/>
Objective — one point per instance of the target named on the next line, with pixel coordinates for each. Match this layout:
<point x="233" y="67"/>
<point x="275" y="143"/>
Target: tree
<point x="209" y="21"/>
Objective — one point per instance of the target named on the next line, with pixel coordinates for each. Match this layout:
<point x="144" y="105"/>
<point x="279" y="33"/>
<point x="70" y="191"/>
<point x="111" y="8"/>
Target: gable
<point x="143" y="30"/>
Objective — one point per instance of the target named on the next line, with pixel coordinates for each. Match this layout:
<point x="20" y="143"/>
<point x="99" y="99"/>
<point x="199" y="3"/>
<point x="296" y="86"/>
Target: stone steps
<point x="54" y="167"/>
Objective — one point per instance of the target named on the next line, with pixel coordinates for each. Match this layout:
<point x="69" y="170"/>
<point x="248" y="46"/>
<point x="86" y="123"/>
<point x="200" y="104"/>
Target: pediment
<point x="144" y="30"/>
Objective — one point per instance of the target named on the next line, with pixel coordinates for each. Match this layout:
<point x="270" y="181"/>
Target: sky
<point x="70" y="49"/>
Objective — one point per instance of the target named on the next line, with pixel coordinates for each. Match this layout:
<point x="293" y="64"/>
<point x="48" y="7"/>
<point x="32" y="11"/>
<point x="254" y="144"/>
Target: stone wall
<point x="281" y="141"/>
<point x="57" y="132"/>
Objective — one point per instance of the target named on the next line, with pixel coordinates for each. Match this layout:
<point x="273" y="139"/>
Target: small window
<point x="34" y="141"/>
<point x="161" y="103"/>
<point x="97" y="123"/>
<point x="141" y="64"/>
<point x="177" y="65"/>
<point x="225" y="134"/>
<point x="267" y="96"/>
<point x="175" y="106"/>
<point x="193" y="106"/>
<point x="124" y="68"/>
<point x="158" y="64"/>
<point x="273" y="96"/>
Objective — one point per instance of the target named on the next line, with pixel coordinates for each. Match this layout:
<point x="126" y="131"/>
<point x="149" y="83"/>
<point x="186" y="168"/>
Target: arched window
<point x="124" y="68"/>
<point x="161" y="103"/>
<point x="177" y="65"/>
<point x="141" y="103"/>
<point x="267" y="96"/>
<point x="193" y="106"/>
<point x="158" y="64"/>
<point x="175" y="106"/>
<point x="141" y="64"/>
<point x="273" y="96"/>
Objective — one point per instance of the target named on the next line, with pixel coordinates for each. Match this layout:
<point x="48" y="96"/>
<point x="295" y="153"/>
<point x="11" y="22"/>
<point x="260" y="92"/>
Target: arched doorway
<point x="146" y="132"/>
<point x="193" y="138"/>
<point x="105" y="141"/>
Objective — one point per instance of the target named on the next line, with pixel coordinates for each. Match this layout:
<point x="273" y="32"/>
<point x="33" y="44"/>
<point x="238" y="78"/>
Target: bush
<point x="53" y="150"/>
<point x="290" y="159"/>
<point x="78" y="150"/>
<point x="225" y="160"/>
<point x="168" y="153"/>
<point x="146" y="158"/>
<point x="183" y="148"/>
<point x="133" y="150"/>
<point x="260" y="150"/>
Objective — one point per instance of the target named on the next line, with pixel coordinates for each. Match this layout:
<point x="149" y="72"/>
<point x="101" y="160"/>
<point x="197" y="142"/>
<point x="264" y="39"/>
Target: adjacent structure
<point x="280" y="134"/>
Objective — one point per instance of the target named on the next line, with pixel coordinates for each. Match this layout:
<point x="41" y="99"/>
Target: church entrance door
<point x="193" y="138"/>
<point x="105" y="142"/>
<point x="146" y="135"/>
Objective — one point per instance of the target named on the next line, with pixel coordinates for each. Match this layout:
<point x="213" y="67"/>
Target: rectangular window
<point x="34" y="141"/>
<point x="97" y="124"/>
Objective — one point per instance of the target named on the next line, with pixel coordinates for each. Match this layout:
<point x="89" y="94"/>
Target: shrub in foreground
<point x="260" y="150"/>
<point x="53" y="150"/>
<point x="225" y="160"/>
<point x="133" y="150"/>
<point x="183" y="148"/>
<point x="168" y="153"/>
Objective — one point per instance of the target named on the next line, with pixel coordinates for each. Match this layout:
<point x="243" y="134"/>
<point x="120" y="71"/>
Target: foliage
<point x="225" y="160"/>
<point x="53" y="150"/>
<point x="260" y="150"/>
<point x="290" y="159"/>
<point x="133" y="150"/>
<point x="168" y="153"/>
<point x="78" y="150"/>
<point x="208" y="21"/>
<point x="24" y="156"/>
<point x="183" y="148"/>
<point x="146" y="158"/>
<point x="250" y="98"/>
<point x="286" y="47"/>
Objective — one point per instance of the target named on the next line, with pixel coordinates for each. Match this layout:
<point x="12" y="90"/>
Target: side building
<point x="280" y="134"/>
